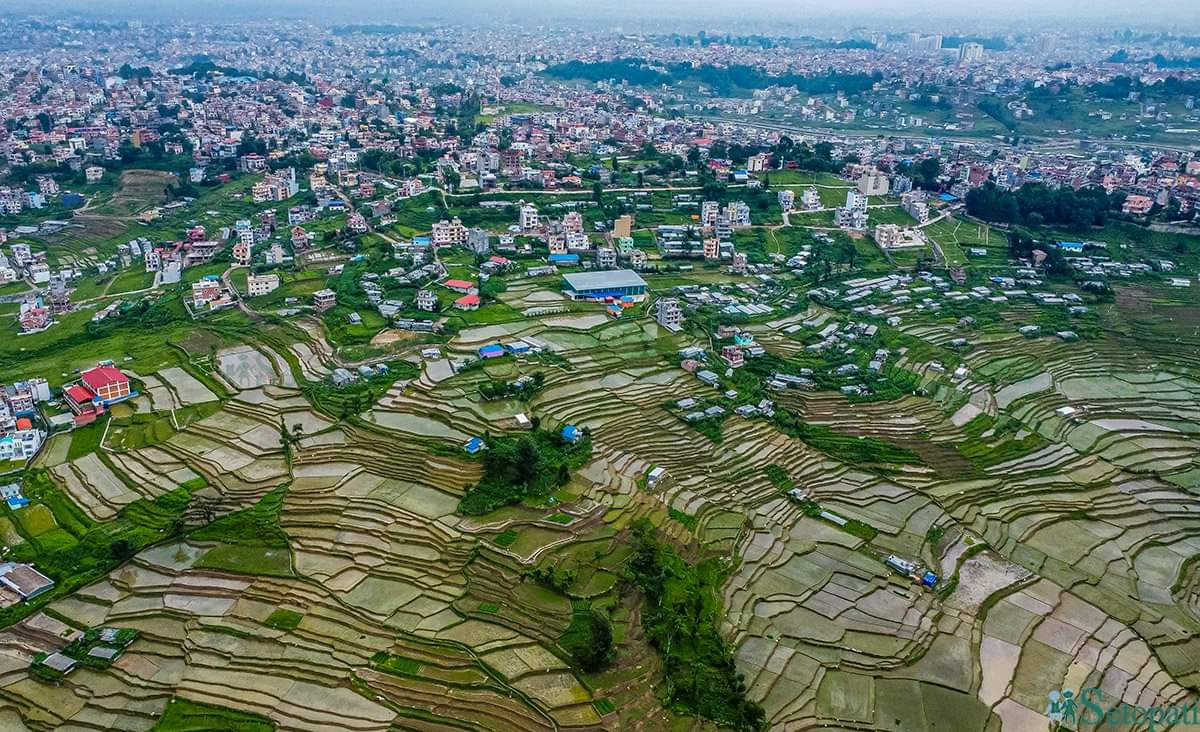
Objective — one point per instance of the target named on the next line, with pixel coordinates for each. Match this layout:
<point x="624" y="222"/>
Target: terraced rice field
<point x="1064" y="540"/>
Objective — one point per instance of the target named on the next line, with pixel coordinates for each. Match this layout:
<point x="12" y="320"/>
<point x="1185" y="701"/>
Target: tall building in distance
<point x="969" y="53"/>
<point x="928" y="43"/>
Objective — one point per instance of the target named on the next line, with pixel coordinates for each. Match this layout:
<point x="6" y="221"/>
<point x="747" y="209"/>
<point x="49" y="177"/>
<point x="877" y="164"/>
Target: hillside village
<point x="375" y="377"/>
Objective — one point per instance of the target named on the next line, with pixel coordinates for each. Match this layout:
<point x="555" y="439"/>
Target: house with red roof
<point x="97" y="389"/>
<point x="467" y="302"/>
<point x="463" y="286"/>
<point x="107" y="383"/>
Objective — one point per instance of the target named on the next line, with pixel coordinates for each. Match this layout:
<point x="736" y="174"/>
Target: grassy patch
<point x="182" y="715"/>
<point x="86" y="440"/>
<point x="589" y="638"/>
<point x="866" y="532"/>
<point x="283" y="619"/>
<point x="396" y="665"/>
<point x="257" y="525"/>
<point x="688" y="520"/>
<point x="506" y="539"/>
<point x="242" y="559"/>
<point x="856" y="450"/>
<point x="778" y="476"/>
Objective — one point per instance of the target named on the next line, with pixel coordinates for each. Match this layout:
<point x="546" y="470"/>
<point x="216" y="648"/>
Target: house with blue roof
<point x="11" y="494"/>
<point x="491" y="350"/>
<point x="571" y="433"/>
<point x="1071" y="246"/>
<point x="475" y="445"/>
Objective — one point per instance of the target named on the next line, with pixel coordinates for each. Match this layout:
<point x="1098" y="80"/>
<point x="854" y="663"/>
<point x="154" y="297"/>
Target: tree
<point x="926" y="172"/>
<point x="121" y="549"/>
<point x="589" y="640"/>
<point x="526" y="461"/>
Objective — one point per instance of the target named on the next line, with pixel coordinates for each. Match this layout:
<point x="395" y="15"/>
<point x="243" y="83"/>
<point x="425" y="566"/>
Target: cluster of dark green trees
<point x="589" y="639"/>
<point x="816" y="158"/>
<point x="530" y="466"/>
<point x="681" y="617"/>
<point x="1021" y="246"/>
<point x="723" y="79"/>
<point x="505" y="389"/>
<point x="1036" y="204"/>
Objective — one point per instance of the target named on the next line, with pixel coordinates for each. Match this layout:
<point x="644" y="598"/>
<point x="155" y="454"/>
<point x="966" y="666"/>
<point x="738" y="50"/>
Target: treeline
<point x="1036" y="204"/>
<point x="201" y="68"/>
<point x="682" y="619"/>
<point x="996" y="109"/>
<point x="1163" y="62"/>
<point x="738" y="76"/>
<point x="815" y="158"/>
<point x="1119" y="87"/>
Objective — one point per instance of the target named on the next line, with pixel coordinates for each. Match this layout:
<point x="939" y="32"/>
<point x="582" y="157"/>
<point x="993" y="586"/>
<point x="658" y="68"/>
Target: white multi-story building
<point x="669" y="315"/>
<point x="427" y="300"/>
<point x="529" y="219"/>
<point x="738" y="213"/>
<point x="873" y="183"/>
<point x="853" y="215"/>
<point x="21" y="444"/>
<point x="449" y="233"/>
<point x="887" y="236"/>
<point x="787" y="200"/>
<point x="915" y="204"/>
<point x="261" y="284"/>
<point x="577" y="241"/>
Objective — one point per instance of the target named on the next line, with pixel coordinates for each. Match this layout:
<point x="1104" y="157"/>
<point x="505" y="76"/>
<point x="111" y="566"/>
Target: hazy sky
<point x="1033" y="15"/>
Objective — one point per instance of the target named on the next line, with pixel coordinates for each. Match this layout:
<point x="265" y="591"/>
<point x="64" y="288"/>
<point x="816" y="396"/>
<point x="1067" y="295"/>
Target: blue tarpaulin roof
<point x="474" y="445"/>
